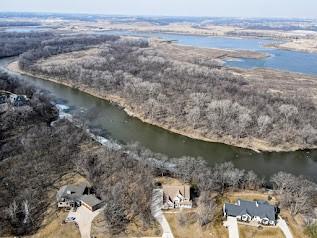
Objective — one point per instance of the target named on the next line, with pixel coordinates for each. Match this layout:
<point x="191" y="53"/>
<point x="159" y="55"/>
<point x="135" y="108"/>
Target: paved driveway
<point x="284" y="227"/>
<point x="232" y="225"/>
<point x="83" y="217"/>
<point x="157" y="203"/>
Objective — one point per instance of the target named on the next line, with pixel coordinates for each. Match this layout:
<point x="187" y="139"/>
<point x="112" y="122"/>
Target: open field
<point x="246" y="231"/>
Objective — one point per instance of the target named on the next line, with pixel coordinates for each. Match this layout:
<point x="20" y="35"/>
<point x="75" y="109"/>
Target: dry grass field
<point x="246" y="231"/>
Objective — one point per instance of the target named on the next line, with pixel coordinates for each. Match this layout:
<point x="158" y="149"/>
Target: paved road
<point x="284" y="227"/>
<point x="232" y="225"/>
<point x="84" y="217"/>
<point x="157" y="202"/>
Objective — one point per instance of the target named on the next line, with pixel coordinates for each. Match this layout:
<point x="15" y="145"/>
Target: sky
<point x="212" y="8"/>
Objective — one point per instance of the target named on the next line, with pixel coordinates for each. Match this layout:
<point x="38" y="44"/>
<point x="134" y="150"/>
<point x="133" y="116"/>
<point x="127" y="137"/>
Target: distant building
<point x="72" y="196"/>
<point x="13" y="99"/>
<point x="259" y="211"/>
<point x="176" y="196"/>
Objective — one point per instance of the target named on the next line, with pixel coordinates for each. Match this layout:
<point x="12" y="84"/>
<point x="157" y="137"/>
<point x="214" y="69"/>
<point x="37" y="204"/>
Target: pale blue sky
<point x="234" y="8"/>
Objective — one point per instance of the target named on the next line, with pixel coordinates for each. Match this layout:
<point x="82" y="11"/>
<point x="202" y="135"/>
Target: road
<point x="232" y="225"/>
<point x="284" y="227"/>
<point x="83" y="217"/>
<point x="157" y="202"/>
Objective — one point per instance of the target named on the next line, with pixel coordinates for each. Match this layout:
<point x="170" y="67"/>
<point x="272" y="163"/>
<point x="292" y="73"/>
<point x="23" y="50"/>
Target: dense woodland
<point x="15" y="43"/>
<point x="35" y="153"/>
<point x="198" y="97"/>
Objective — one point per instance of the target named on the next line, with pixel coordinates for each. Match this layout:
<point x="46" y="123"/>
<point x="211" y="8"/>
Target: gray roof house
<point x="72" y="196"/>
<point x="259" y="211"/>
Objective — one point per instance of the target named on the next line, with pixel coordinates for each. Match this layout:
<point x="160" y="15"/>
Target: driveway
<point x="83" y="217"/>
<point x="284" y="227"/>
<point x="232" y="225"/>
<point x="157" y="203"/>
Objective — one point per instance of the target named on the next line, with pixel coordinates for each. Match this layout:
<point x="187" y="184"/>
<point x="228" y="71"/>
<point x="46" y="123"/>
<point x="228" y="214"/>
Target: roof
<point x="71" y="192"/>
<point x="90" y="200"/>
<point x="261" y="209"/>
<point x="171" y="191"/>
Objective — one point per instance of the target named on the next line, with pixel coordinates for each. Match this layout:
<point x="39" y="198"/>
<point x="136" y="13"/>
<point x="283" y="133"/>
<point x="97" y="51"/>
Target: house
<point x="18" y="100"/>
<point x="176" y="196"/>
<point x="258" y="211"/>
<point x="72" y="196"/>
<point x="13" y="99"/>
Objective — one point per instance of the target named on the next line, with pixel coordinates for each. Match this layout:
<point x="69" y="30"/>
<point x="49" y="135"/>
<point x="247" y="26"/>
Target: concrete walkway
<point x="83" y="217"/>
<point x="232" y="225"/>
<point x="157" y="203"/>
<point x="284" y="227"/>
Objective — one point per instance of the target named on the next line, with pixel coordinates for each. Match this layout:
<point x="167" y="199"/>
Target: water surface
<point x="285" y="60"/>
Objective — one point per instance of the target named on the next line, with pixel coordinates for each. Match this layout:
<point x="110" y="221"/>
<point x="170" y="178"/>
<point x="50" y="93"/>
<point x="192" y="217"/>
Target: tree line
<point x="15" y="43"/>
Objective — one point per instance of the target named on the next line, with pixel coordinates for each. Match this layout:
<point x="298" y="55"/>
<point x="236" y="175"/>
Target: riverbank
<point x="301" y="45"/>
<point x="249" y="143"/>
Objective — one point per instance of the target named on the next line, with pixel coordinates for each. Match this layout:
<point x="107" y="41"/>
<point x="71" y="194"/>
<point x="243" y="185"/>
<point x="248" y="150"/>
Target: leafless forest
<point x="199" y="97"/>
<point x="37" y="148"/>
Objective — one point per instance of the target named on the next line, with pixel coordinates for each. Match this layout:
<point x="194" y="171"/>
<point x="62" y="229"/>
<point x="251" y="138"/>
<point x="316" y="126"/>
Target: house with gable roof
<point x="176" y="196"/>
<point x="246" y="211"/>
<point x="73" y="196"/>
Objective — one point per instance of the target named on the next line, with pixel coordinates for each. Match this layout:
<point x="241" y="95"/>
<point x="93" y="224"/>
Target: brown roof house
<point x="176" y="196"/>
<point x="72" y="196"/>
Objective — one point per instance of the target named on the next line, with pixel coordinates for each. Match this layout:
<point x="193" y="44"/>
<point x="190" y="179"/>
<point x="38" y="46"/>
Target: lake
<point x="292" y="61"/>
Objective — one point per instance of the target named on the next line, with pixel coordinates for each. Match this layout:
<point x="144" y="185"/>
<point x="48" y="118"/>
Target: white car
<point x="70" y="219"/>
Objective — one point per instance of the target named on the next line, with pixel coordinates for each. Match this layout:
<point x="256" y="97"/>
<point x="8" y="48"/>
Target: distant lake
<point x="285" y="60"/>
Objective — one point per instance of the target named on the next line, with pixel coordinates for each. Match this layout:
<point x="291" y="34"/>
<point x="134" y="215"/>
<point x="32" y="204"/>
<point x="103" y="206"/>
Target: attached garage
<point x="91" y="202"/>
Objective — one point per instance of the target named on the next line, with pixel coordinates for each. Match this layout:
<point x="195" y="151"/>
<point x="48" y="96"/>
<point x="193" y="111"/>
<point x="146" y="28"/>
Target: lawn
<point x="192" y="228"/>
<point x="246" y="231"/>
<point x="56" y="228"/>
<point x="249" y="195"/>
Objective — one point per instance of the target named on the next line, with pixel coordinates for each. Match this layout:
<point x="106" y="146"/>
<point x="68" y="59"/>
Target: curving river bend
<point x="116" y="124"/>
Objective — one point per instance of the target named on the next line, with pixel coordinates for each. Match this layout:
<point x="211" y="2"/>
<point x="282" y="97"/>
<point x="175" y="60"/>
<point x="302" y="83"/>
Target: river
<point x="116" y="124"/>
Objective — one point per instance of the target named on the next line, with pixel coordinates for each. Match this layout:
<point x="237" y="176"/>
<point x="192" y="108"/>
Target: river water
<point x="116" y="124"/>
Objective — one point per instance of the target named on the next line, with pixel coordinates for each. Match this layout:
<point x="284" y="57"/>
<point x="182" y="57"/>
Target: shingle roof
<point x="90" y="200"/>
<point x="171" y="191"/>
<point x="71" y="192"/>
<point x="258" y="208"/>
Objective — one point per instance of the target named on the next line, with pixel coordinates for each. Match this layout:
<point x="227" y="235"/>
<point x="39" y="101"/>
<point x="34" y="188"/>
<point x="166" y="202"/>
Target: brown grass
<point x="134" y="229"/>
<point x="193" y="229"/>
<point x="295" y="224"/>
<point x="246" y="231"/>
<point x="56" y="228"/>
<point x="249" y="195"/>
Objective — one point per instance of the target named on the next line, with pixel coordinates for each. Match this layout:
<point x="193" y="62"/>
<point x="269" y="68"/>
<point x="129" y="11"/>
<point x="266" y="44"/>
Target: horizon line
<point x="159" y="16"/>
